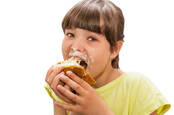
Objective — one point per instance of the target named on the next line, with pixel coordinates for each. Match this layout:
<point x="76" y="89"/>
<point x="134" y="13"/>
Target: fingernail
<point x="59" y="86"/>
<point x="68" y="72"/>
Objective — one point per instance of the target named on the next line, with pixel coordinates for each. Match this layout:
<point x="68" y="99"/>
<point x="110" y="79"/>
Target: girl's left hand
<point x="86" y="101"/>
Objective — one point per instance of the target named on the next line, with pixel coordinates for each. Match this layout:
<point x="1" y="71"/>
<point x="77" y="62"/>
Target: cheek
<point x="99" y="55"/>
<point x="100" y="51"/>
<point x="65" y="48"/>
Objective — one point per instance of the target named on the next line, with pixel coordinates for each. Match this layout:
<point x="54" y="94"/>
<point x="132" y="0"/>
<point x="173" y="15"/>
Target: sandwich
<point x="77" y="66"/>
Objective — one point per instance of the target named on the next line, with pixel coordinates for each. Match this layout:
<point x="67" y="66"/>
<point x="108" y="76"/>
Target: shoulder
<point x="138" y="83"/>
<point x="144" y="95"/>
<point x="136" y="78"/>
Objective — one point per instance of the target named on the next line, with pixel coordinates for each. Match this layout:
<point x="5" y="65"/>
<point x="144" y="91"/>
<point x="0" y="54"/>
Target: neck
<point x="107" y="77"/>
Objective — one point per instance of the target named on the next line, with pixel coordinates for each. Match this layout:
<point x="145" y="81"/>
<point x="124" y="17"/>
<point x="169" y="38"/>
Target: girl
<point x="94" y="29"/>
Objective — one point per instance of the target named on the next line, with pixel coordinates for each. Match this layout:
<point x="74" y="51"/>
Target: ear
<point x="116" y="49"/>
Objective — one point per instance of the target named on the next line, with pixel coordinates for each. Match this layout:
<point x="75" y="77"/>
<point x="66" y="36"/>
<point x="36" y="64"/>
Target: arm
<point x="87" y="102"/>
<point x="52" y="78"/>
<point x="59" y="111"/>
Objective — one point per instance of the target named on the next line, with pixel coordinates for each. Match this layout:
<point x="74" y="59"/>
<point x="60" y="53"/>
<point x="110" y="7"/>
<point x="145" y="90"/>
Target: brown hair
<point x="100" y="16"/>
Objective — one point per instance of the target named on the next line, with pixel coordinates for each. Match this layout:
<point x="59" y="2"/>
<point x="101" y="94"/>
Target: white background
<point x="30" y="42"/>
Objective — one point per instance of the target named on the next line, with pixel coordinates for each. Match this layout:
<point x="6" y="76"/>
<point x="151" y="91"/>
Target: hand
<point x="86" y="101"/>
<point x="52" y="78"/>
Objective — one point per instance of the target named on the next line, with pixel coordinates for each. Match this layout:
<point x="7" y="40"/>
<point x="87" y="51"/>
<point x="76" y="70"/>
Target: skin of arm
<point x="59" y="111"/>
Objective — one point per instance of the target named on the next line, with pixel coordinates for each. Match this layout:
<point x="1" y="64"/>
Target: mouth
<point x="81" y="61"/>
<point x="83" y="64"/>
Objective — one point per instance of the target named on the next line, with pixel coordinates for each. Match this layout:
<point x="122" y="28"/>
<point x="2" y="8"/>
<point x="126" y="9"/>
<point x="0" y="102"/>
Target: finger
<point x="72" y="84"/>
<point x="65" y="99"/>
<point x="49" y="72"/>
<point x="67" y="87"/>
<point x="78" y="80"/>
<point x="74" y="108"/>
<point x="53" y="74"/>
<point x="69" y="94"/>
<point x="54" y="84"/>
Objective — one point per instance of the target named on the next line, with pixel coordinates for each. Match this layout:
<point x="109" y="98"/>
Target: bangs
<point x="84" y="17"/>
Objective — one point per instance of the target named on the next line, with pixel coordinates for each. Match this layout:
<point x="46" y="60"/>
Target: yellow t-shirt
<point x="133" y="94"/>
<point x="130" y="94"/>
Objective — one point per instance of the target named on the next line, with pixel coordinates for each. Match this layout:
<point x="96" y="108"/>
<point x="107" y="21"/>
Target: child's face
<point x="90" y="45"/>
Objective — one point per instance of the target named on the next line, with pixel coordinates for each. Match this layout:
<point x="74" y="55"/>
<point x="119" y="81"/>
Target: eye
<point x="92" y="39"/>
<point x="70" y="35"/>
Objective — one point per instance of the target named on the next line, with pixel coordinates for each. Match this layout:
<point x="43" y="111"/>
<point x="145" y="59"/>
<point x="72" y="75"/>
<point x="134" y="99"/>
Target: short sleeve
<point x="52" y="94"/>
<point x="147" y="98"/>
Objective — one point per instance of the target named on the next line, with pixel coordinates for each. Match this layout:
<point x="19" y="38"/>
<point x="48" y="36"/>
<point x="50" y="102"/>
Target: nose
<point x="78" y="45"/>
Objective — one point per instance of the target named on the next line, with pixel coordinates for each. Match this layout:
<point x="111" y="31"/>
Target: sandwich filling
<point x="73" y="61"/>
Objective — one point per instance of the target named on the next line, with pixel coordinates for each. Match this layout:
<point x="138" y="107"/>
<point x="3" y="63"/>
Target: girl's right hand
<point x="52" y="78"/>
